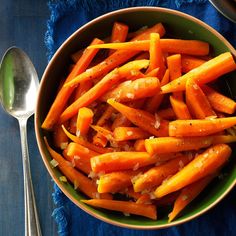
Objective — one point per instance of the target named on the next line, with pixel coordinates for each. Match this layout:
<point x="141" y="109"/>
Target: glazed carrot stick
<point x="117" y="161"/>
<point x="187" y="194"/>
<point x="204" y="164"/>
<point x="133" y="90"/>
<point x="203" y="74"/>
<point x="148" y="211"/>
<point x="174" y="66"/>
<point x="184" y="128"/>
<point x="60" y="140"/>
<point x="115" y="181"/>
<point x="218" y="101"/>
<point x="155" y="175"/>
<point x="197" y="101"/>
<point x="154" y="102"/>
<point x="142" y="119"/>
<point x="129" y="133"/>
<point x="103" y="131"/>
<point x="102" y="87"/>
<point x="84" y="120"/>
<point x="139" y="145"/>
<point x="65" y="92"/>
<point x="119" y="34"/>
<point x="155" y="52"/>
<point x="191" y="47"/>
<point x="167" y="114"/>
<point x="84" y="184"/>
<point x="85" y="143"/>
<point x="153" y="73"/>
<point x="189" y="62"/>
<point x="117" y="58"/>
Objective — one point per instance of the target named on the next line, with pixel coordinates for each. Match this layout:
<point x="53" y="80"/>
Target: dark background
<point x="23" y="24"/>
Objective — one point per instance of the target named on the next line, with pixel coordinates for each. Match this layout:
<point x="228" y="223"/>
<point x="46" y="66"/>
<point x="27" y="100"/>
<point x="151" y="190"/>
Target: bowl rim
<point x="37" y="128"/>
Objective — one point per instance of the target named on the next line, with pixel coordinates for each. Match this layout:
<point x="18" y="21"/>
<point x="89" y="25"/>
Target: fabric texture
<point x="67" y="16"/>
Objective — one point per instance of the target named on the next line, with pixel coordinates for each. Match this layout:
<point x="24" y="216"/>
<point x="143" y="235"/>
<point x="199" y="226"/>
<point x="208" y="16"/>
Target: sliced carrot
<point x="174" y="66"/>
<point x="197" y="101"/>
<point x="218" y="101"/>
<point x="117" y="58"/>
<point x="139" y="145"/>
<point x="84" y="184"/>
<point x="125" y="207"/>
<point x="204" y="164"/>
<point x="189" y="63"/>
<point x="65" y="92"/>
<point x="142" y="119"/>
<point x="103" y="131"/>
<point x="153" y="73"/>
<point x="203" y="74"/>
<point x="119" y="33"/>
<point x="155" y="175"/>
<point x="185" y="128"/>
<point x="166" y="114"/>
<point x="133" y="90"/>
<point x="187" y="194"/>
<point x="129" y="133"/>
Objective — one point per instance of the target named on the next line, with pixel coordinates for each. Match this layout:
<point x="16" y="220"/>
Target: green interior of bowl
<point x="177" y="26"/>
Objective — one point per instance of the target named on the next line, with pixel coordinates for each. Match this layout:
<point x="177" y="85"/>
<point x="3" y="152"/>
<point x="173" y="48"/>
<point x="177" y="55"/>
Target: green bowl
<point x="178" y="25"/>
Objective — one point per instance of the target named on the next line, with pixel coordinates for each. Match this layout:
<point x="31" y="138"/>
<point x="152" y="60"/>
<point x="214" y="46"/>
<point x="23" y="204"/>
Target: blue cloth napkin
<point x="66" y="17"/>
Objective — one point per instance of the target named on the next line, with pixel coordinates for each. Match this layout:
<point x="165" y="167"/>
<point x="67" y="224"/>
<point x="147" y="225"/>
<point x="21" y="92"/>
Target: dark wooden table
<point x="23" y="24"/>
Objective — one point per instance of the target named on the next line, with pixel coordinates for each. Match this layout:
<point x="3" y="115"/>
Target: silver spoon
<point x="18" y="91"/>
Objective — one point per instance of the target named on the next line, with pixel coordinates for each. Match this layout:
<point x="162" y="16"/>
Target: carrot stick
<point x="187" y="194"/>
<point x="179" y="107"/>
<point x="142" y="119"/>
<point x="117" y="161"/>
<point x="184" y="128"/>
<point x="139" y="145"/>
<point x="115" y="181"/>
<point x="117" y="58"/>
<point x="174" y="66"/>
<point x="60" y="140"/>
<point x="119" y="33"/>
<point x="133" y="90"/>
<point x="148" y="211"/>
<point x="129" y="133"/>
<point x="218" y="101"/>
<point x="84" y="184"/>
<point x="153" y="73"/>
<point x="84" y="120"/>
<point x="85" y="143"/>
<point x="103" y="131"/>
<point x="204" y="164"/>
<point x="65" y="92"/>
<point x="155" y="175"/>
<point x="102" y="87"/>
<point x="197" y="101"/>
<point x="191" y="47"/>
<point x="189" y="62"/>
<point x="203" y="74"/>
<point x="75" y="149"/>
<point x="154" y="102"/>
<point x="155" y="52"/>
<point x="167" y="114"/>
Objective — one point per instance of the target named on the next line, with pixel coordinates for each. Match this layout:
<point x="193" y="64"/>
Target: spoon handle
<point x="32" y="226"/>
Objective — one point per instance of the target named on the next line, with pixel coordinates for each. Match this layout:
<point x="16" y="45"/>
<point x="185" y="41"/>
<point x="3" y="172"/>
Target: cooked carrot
<point x="76" y="55"/>
<point x="100" y="140"/>
<point x="119" y="33"/>
<point x="191" y="47"/>
<point x="60" y="140"/>
<point x="117" y="58"/>
<point x="218" y="101"/>
<point x="84" y="184"/>
<point x="85" y="143"/>
<point x="189" y="62"/>
<point x="139" y="145"/>
<point x="84" y="120"/>
<point x="148" y="211"/>
<point x="166" y="114"/>
<point x="187" y="194"/>
<point x="155" y="175"/>
<point x="185" y="128"/>
<point x="129" y="192"/>
<point x="129" y="133"/>
<point x="154" y="102"/>
<point x="133" y="90"/>
<point x="115" y="181"/>
<point x="145" y="198"/>
<point x="117" y="161"/>
<point x="103" y="131"/>
<point x="174" y="66"/>
<point x="142" y="119"/>
<point x="75" y="149"/>
<point x="102" y="87"/>
<point x="155" y="52"/>
<point x="197" y="101"/>
<point x="65" y="92"/>
<point x="153" y="73"/>
<point x="203" y="74"/>
<point x="204" y="164"/>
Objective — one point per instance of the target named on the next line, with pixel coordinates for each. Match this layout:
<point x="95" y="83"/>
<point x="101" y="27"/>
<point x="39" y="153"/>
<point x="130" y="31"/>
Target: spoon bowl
<point x="18" y="92"/>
